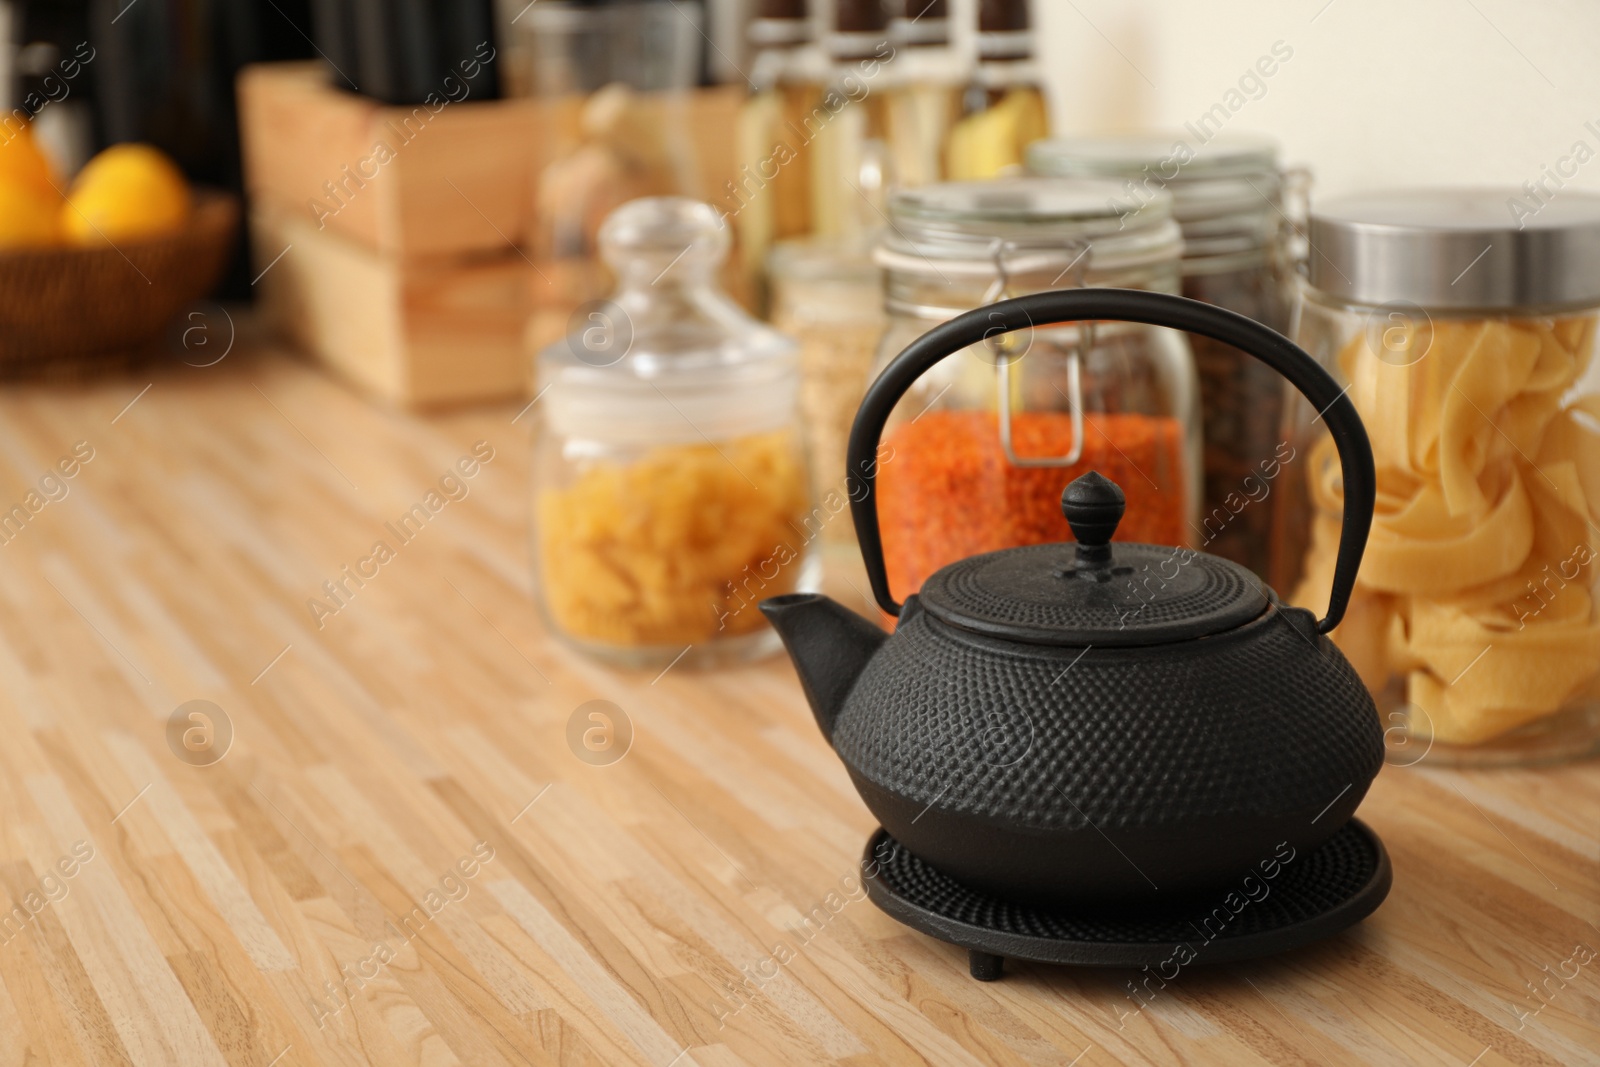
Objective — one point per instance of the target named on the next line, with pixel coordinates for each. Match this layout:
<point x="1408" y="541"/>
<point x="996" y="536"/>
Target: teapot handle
<point x="1123" y="305"/>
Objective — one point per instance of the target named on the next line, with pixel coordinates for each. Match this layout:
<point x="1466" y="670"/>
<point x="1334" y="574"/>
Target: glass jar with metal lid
<point x="1240" y="249"/>
<point x="670" y="482"/>
<point x="1463" y="323"/>
<point x="975" y="453"/>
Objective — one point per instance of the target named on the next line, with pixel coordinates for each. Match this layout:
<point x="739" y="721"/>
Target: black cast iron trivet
<point x="1311" y="896"/>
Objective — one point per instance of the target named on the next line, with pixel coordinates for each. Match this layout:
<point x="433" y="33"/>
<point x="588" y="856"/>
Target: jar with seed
<point x="1235" y="204"/>
<point x="976" y="454"/>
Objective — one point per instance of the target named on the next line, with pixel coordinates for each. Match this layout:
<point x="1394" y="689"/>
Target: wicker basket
<point x="71" y="309"/>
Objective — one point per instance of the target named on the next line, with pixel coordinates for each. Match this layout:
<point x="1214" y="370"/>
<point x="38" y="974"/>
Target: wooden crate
<point x="456" y="182"/>
<point x="409" y="278"/>
<point x="462" y="182"/>
<point x="416" y="333"/>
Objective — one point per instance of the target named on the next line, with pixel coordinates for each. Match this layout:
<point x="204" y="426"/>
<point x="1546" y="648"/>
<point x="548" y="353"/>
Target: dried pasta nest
<point x="1477" y="583"/>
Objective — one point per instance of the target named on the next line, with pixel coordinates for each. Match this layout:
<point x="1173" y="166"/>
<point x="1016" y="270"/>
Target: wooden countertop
<point x="400" y="860"/>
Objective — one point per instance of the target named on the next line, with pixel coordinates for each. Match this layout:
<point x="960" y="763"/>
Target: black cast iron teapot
<point x="1092" y="722"/>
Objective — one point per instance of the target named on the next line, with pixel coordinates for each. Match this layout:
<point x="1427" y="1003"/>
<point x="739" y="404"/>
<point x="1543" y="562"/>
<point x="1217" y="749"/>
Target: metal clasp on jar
<point x="1002" y="345"/>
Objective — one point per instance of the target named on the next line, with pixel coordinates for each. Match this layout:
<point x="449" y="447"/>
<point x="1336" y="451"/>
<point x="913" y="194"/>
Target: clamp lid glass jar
<point x="670" y="481"/>
<point x="1466" y="336"/>
<point x="972" y="450"/>
<point x="1239" y="253"/>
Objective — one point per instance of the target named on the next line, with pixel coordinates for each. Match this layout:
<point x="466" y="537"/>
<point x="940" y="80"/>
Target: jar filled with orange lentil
<point x="671" y="491"/>
<point x="980" y="448"/>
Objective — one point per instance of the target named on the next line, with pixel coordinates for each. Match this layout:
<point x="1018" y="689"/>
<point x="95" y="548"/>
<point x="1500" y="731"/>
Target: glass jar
<point x="1463" y="323"/>
<point x="1228" y="195"/>
<point x="566" y="47"/>
<point x="632" y="63"/>
<point x="828" y="295"/>
<point x="670" y="483"/>
<point x="979" y="449"/>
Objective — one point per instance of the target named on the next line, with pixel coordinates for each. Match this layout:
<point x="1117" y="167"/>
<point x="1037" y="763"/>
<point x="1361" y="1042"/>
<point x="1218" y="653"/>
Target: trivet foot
<point x="985" y="966"/>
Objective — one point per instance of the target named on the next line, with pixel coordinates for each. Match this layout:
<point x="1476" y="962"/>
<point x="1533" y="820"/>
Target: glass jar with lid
<point x="670" y="483"/>
<point x="1239" y="252"/>
<point x="1462" y="322"/>
<point x="828" y="295"/>
<point x="977" y="451"/>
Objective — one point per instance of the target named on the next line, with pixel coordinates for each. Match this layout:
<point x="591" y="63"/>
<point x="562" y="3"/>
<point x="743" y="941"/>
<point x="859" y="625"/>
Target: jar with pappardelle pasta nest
<point x="670" y="479"/>
<point x="978" y="450"/>
<point x="1465" y="333"/>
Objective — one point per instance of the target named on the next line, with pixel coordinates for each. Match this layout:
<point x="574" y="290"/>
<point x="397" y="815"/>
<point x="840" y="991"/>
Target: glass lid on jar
<point x="964" y="226"/>
<point x="669" y="355"/>
<point x="1228" y="177"/>
<point x="1168" y="156"/>
<point x="1466" y="248"/>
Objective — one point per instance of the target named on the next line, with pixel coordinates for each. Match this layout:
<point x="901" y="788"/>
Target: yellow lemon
<point x="127" y="191"/>
<point x="28" y="219"/>
<point x="21" y="160"/>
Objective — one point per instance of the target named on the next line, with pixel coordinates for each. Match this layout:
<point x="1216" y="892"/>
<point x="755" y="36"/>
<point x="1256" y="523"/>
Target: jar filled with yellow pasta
<point x="1463" y="324"/>
<point x="671" y="490"/>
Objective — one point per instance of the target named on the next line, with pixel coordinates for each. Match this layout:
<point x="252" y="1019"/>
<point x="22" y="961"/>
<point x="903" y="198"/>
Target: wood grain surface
<point x="399" y="858"/>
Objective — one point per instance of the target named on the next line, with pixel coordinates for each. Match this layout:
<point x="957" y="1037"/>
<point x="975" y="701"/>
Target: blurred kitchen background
<point x="692" y="230"/>
<point x="1436" y="91"/>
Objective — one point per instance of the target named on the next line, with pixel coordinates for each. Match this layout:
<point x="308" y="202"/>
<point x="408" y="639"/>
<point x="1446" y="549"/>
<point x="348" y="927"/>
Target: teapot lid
<point x="1095" y="593"/>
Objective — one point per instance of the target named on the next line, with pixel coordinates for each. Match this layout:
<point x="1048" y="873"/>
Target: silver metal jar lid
<point x="1487" y="248"/>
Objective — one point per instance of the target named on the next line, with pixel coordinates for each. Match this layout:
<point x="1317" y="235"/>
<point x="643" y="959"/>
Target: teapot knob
<point x="1093" y="505"/>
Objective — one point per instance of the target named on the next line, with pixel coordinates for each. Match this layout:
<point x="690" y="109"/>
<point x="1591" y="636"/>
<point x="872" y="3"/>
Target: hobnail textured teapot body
<point x="1057" y="773"/>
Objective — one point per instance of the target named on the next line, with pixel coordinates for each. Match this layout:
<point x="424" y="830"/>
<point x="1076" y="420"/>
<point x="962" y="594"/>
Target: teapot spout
<point x="829" y="644"/>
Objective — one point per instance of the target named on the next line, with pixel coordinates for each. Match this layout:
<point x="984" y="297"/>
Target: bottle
<point x="851" y="171"/>
<point x="924" y="100"/>
<point x="1003" y="108"/>
<point x="631" y="140"/>
<point x="770" y="198"/>
<point x="671" y="491"/>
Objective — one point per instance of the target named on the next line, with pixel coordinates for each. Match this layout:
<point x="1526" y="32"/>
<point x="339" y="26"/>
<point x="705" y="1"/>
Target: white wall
<point x="1377" y="92"/>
